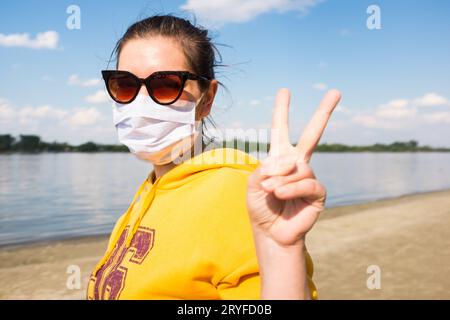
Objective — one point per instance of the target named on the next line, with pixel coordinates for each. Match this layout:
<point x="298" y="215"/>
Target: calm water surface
<point x="48" y="196"/>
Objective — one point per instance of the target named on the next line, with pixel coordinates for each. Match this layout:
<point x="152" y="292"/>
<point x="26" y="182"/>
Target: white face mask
<point x="154" y="132"/>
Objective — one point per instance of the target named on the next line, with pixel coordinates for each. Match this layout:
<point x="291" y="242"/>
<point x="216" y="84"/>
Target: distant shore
<point x="34" y="144"/>
<point x="406" y="237"/>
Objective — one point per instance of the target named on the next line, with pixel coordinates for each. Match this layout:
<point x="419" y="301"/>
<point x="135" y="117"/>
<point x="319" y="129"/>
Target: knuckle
<point x="321" y="190"/>
<point x="309" y="171"/>
<point x="310" y="184"/>
<point x="316" y="186"/>
<point x="305" y="170"/>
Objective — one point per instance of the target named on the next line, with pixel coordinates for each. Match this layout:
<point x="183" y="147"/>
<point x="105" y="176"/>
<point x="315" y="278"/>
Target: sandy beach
<point x="406" y="237"/>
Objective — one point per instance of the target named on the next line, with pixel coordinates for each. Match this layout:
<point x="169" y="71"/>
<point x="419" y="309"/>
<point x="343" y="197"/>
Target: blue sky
<point x="395" y="80"/>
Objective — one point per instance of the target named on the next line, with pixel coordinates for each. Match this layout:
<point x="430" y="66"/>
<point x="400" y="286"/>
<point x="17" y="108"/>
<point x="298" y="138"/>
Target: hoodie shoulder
<point x="235" y="174"/>
<point x="230" y="172"/>
<point x="225" y="189"/>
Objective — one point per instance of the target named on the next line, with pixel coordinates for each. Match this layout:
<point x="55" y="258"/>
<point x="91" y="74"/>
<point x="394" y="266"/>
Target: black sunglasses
<point x="164" y="87"/>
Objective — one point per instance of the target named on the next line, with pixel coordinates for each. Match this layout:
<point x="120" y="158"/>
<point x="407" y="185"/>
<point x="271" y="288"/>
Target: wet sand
<point x="407" y="238"/>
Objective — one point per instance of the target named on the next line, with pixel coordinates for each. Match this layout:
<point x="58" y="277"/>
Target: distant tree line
<point x="34" y="144"/>
<point x="398" y="146"/>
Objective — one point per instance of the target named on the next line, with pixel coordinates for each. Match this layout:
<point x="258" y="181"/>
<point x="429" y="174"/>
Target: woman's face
<point x="142" y="57"/>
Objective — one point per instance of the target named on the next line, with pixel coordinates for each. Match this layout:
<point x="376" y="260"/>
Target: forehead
<point x="144" y="56"/>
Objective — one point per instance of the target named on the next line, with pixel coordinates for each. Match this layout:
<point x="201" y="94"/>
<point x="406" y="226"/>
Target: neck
<point x="162" y="169"/>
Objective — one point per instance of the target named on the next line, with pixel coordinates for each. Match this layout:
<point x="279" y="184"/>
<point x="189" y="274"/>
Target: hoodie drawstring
<point x="120" y="230"/>
<point x="135" y="225"/>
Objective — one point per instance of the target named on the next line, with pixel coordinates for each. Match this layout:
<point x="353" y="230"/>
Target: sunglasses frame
<point x="184" y="76"/>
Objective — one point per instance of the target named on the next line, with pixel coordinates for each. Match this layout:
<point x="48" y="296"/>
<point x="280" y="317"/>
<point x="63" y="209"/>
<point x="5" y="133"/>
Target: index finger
<point x="316" y="126"/>
<point x="279" y="134"/>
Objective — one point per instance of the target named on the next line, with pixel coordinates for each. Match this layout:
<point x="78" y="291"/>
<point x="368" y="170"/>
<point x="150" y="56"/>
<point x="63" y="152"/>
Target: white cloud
<point x="76" y="124"/>
<point x="394" y="114"/>
<point x="85" y="117"/>
<point x="219" y="12"/>
<point x="98" y="97"/>
<point x="74" y="80"/>
<point x="236" y="125"/>
<point x="320" y="86"/>
<point x="371" y="121"/>
<point x="7" y="113"/>
<point x="342" y="109"/>
<point x="44" y="114"/>
<point x="396" y="109"/>
<point x="43" y="40"/>
<point x="431" y="100"/>
<point x="442" y="117"/>
<point x="405" y="113"/>
<point x="399" y="119"/>
<point x="41" y="112"/>
<point x="254" y="102"/>
<point x="365" y="119"/>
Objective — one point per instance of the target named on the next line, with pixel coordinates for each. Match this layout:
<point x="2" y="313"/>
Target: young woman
<point x="214" y="224"/>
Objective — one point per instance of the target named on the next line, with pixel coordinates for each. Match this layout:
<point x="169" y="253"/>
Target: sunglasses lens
<point x="122" y="87"/>
<point x="166" y="88"/>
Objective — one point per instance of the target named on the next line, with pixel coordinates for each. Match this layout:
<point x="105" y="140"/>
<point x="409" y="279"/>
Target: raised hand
<point x="284" y="199"/>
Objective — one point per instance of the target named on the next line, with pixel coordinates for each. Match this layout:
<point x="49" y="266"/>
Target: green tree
<point x="6" y="142"/>
<point x="29" y="143"/>
<point x="88" y="147"/>
<point x="413" y="144"/>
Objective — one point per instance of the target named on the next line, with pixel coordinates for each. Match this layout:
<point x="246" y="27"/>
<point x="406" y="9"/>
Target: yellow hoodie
<point x="186" y="235"/>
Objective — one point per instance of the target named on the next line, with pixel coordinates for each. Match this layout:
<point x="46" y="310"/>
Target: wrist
<point x="261" y="235"/>
<point x="282" y="268"/>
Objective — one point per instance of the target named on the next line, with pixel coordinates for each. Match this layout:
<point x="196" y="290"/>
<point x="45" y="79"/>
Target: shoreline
<point x="51" y="241"/>
<point x="331" y="212"/>
<point x="406" y="236"/>
<point x="345" y="209"/>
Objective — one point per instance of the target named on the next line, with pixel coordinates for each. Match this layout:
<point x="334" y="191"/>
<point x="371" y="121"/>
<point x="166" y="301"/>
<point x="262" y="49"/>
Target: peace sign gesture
<point x="284" y="199"/>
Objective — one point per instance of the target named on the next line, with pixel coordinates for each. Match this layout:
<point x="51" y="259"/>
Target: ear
<point x="208" y="98"/>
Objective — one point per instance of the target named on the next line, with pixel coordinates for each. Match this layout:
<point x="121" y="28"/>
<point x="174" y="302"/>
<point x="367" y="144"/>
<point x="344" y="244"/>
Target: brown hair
<point x="200" y="52"/>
